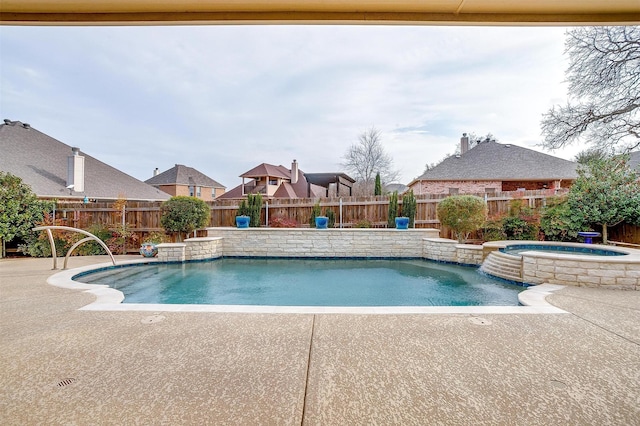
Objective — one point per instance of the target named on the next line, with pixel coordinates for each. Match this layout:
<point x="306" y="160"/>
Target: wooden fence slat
<point x="144" y="217"/>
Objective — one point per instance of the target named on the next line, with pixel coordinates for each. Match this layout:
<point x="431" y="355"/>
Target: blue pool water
<point x="307" y="282"/>
<point x="516" y="249"/>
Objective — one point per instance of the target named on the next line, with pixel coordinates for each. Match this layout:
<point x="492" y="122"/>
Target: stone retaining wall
<point x="191" y="249"/>
<point x="309" y="242"/>
<point x="445" y="250"/>
<point x="586" y="271"/>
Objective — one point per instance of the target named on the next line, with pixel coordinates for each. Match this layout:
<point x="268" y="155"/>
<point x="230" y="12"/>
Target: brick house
<point x="493" y="167"/>
<point x="187" y="181"/>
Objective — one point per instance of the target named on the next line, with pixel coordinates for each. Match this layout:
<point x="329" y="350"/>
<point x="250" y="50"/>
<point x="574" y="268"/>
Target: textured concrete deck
<point x="59" y="365"/>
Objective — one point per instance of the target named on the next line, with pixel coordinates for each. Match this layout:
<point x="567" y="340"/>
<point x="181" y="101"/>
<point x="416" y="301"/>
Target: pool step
<point x="503" y="266"/>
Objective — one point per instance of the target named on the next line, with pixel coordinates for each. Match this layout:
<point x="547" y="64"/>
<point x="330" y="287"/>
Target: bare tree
<point x="604" y="91"/>
<point x="367" y="157"/>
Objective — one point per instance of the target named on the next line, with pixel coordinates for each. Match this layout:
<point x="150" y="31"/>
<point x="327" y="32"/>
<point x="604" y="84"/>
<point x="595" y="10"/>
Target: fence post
<point x="266" y="213"/>
<point x="340" y="212"/>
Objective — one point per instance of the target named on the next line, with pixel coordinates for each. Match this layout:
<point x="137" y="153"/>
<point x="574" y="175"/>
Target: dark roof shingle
<point x="495" y="161"/>
<point x="183" y="175"/>
<point x="41" y="162"/>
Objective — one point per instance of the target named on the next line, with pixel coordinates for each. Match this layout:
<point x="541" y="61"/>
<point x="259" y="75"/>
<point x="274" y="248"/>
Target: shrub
<point x="463" y="214"/>
<point x="365" y="223"/>
<point x="315" y="212"/>
<point x="254" y="207"/>
<point x="92" y="248"/>
<point x="409" y="207"/>
<point x="20" y="209"/>
<point x="183" y="214"/>
<point x="393" y="210"/>
<point x="282" y="222"/>
<point x="492" y="229"/>
<point x="559" y="223"/>
<point x="331" y="218"/>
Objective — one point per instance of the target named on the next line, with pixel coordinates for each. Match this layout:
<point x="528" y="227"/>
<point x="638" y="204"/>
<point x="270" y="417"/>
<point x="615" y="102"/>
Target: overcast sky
<point x="224" y="99"/>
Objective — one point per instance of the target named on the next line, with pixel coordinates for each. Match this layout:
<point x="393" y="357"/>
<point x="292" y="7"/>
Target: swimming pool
<point x="306" y="282"/>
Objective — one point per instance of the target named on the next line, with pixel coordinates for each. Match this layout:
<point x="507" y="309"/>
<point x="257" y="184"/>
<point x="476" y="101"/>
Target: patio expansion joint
<point x="633" y="342"/>
<point x="306" y="383"/>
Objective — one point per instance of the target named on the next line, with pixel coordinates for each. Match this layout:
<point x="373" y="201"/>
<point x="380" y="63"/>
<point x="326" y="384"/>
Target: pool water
<point x="517" y="249"/>
<point x="307" y="282"/>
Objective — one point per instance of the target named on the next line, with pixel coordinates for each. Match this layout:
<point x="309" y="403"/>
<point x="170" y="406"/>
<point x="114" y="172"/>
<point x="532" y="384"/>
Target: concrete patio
<point x="60" y="365"/>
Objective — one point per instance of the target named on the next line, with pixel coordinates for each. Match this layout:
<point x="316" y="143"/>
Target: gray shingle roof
<point x="495" y="161"/>
<point x="41" y="162"/>
<point x="183" y="175"/>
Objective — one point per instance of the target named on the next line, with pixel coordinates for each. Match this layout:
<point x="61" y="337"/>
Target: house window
<point x="191" y="189"/>
<point x="273" y="182"/>
<point x="454" y="191"/>
<point x="213" y="193"/>
<point x="198" y="191"/>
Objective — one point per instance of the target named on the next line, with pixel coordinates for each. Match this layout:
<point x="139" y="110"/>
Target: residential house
<point x="492" y="167"/>
<point x="279" y="182"/>
<point x="55" y="170"/>
<point x="183" y="180"/>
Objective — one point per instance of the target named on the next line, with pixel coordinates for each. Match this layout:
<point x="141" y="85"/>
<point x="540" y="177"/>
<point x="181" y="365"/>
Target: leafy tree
<point x="20" y="209"/>
<point x="604" y="90"/>
<point x="378" y="188"/>
<point x="606" y="193"/>
<point x="366" y="157"/>
<point x="393" y="210"/>
<point x="590" y="154"/>
<point x="463" y="214"/>
<point x="182" y="214"/>
<point x="409" y="207"/>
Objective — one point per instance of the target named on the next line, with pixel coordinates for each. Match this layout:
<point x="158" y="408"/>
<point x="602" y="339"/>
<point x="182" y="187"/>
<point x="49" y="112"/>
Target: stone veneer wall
<point x="445" y="250"/>
<point x="618" y="273"/>
<point x="309" y="242"/>
<point x="191" y="249"/>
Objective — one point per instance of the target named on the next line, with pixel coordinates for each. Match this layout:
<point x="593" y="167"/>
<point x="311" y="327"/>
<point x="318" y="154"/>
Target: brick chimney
<point x="294" y="172"/>
<point x="464" y="143"/>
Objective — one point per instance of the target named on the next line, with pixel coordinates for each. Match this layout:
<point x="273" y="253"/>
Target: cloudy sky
<point x="223" y="99"/>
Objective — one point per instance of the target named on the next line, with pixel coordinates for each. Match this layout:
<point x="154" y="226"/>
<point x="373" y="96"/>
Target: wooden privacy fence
<point x="144" y="217"/>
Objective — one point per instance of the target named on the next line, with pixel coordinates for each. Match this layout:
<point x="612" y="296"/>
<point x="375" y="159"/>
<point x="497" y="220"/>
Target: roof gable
<point x="265" y="169"/>
<point x="495" y="161"/>
<point x="183" y="175"/>
<point x="41" y="162"/>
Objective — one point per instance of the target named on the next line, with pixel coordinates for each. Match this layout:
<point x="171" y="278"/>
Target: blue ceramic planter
<point x="148" y="250"/>
<point x="242" y="221"/>
<point x="322" y="222"/>
<point x="402" y="222"/>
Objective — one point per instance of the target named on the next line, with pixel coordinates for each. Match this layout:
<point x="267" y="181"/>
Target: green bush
<point x="315" y="212"/>
<point x="331" y="218"/>
<point x="393" y="210"/>
<point x="463" y="214"/>
<point x="559" y="223"/>
<point x="20" y="209"/>
<point x="92" y="248"/>
<point x="365" y="223"/>
<point x="254" y="208"/>
<point x="409" y="207"/>
<point x="183" y="215"/>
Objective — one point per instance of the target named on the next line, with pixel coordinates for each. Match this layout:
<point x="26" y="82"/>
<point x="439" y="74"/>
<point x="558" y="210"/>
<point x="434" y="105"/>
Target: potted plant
<point x="402" y="222"/>
<point x="321" y="222"/>
<point x="242" y="217"/>
<point x="149" y="248"/>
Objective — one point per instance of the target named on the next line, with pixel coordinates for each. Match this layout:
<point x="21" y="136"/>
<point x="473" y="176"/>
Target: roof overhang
<point x="443" y="12"/>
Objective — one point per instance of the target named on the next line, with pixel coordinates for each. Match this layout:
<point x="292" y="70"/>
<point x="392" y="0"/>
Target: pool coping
<point x="532" y="300"/>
